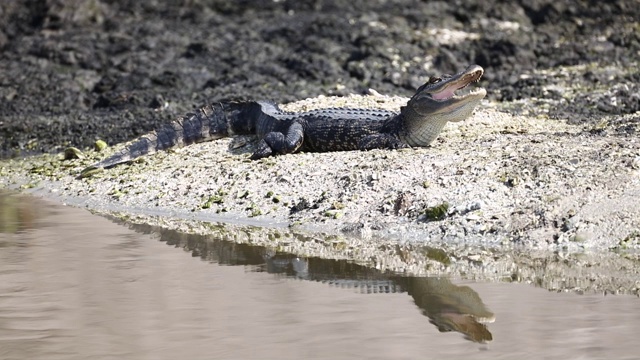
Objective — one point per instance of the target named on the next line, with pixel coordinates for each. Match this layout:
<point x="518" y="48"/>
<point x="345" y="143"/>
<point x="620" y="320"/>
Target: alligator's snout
<point x="445" y="88"/>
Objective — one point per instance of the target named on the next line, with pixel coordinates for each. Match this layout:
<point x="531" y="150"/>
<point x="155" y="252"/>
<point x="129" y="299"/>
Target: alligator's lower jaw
<point x="469" y="98"/>
<point x="459" y="107"/>
<point x="467" y="93"/>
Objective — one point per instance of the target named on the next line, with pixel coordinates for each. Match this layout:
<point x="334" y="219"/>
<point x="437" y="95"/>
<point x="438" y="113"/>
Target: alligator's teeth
<point x="463" y="91"/>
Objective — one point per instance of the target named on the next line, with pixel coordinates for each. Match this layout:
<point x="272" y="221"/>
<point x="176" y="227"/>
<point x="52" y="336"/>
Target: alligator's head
<point x="449" y="94"/>
<point x="441" y="99"/>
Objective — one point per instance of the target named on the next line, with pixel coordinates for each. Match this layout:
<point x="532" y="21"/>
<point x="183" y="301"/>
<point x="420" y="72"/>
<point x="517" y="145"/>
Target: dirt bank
<point x="72" y="71"/>
<point x="492" y="189"/>
<point x="549" y="164"/>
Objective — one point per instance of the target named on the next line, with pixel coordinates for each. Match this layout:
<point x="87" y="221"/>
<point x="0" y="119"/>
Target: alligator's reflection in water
<point x="73" y="285"/>
<point x="448" y="306"/>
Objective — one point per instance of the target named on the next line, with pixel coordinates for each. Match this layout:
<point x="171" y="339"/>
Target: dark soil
<point x="78" y="70"/>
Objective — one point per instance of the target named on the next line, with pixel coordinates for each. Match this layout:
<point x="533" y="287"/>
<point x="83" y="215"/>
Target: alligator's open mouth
<point x="457" y="87"/>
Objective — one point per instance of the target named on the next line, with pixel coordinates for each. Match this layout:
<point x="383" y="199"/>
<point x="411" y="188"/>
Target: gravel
<point x="497" y="193"/>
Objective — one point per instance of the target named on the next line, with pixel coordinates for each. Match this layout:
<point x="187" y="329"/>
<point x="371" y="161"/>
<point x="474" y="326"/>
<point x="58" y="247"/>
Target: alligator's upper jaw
<point x="446" y="90"/>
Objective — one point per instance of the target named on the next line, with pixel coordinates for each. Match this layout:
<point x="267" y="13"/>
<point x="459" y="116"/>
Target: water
<point x="77" y="286"/>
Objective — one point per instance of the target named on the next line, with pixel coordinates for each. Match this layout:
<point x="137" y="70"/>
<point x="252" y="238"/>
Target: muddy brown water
<point x="75" y="286"/>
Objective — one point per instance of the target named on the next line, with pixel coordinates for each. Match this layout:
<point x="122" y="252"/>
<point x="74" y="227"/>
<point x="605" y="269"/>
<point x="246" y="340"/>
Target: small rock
<point x="571" y="223"/>
<point x="473" y="217"/>
<point x="72" y="153"/>
<point x="464" y="209"/>
<point x="100" y="145"/>
<point x="438" y="212"/>
<point x="158" y="102"/>
<point x="582" y="236"/>
<point x="334" y="214"/>
<point x="402" y="204"/>
<point x="302" y="204"/>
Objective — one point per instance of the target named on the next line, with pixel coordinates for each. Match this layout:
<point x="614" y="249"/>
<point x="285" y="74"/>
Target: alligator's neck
<point x="420" y="130"/>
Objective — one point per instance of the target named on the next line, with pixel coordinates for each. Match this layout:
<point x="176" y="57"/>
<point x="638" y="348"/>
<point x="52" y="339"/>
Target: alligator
<point x="336" y="129"/>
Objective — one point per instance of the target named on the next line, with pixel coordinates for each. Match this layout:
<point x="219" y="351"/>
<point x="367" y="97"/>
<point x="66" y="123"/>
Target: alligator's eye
<point x="434" y="80"/>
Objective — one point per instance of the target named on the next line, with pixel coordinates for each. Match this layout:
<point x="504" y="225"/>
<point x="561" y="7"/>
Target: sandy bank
<point x="490" y="190"/>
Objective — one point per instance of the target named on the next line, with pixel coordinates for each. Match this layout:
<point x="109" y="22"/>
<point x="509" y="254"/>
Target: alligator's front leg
<point x="381" y="141"/>
<point x="279" y="143"/>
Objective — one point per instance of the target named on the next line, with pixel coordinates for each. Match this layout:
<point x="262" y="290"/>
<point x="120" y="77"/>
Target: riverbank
<point x="489" y="190"/>
<point x="547" y="170"/>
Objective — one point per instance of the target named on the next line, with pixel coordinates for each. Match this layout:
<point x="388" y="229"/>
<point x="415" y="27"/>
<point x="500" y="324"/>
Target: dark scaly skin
<point x="417" y="124"/>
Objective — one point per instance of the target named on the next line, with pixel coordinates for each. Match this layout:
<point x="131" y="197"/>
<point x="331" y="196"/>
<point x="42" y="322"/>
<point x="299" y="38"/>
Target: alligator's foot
<point x="279" y="143"/>
<point x="263" y="151"/>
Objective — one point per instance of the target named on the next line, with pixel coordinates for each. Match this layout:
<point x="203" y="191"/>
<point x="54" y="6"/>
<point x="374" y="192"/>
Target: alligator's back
<point x="331" y="129"/>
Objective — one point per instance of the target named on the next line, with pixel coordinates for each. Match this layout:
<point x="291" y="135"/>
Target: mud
<point x="546" y="171"/>
<point x="75" y="71"/>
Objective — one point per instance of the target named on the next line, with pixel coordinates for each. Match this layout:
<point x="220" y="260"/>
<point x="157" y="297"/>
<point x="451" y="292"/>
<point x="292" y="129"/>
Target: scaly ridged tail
<point x="207" y="123"/>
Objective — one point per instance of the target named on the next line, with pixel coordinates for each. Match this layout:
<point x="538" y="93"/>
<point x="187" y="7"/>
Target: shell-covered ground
<point x="540" y="185"/>
<point x="497" y="196"/>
